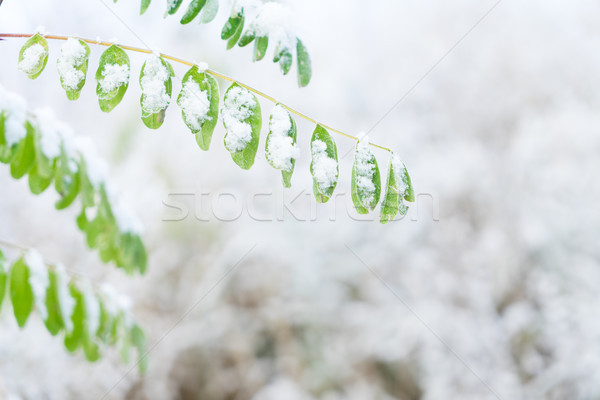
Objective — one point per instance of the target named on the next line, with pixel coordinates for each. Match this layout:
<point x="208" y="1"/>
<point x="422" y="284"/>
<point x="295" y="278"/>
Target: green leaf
<point x="138" y="338"/>
<point x="209" y="12"/>
<point x="70" y="70"/>
<point x="42" y="172"/>
<point x="172" y="6"/>
<point x="304" y="64"/>
<point x="238" y="33"/>
<point x="54" y="322"/>
<point x="192" y="11"/>
<point x="25" y="154"/>
<point x="144" y="6"/>
<point x="90" y="347"/>
<point x="319" y="165"/>
<point x="232" y="108"/>
<point x="74" y="339"/>
<point x="366" y="180"/>
<point x="33" y="56"/>
<point x="66" y="180"/>
<point x="21" y="294"/>
<point x="283" y="55"/>
<point x="3" y="277"/>
<point x="398" y="188"/>
<point x="285" y="174"/>
<point x="114" y="63"/>
<point x="260" y="48"/>
<point x="153" y="115"/>
<point x="247" y="38"/>
<point x="409" y="194"/>
<point x="6" y="152"/>
<point x="202" y="128"/>
<point x="233" y="24"/>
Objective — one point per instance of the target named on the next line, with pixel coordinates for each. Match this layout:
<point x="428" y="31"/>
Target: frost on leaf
<point x="113" y="77"/>
<point x="398" y="189"/>
<point x="366" y="183"/>
<point x="237" y="109"/>
<point x="65" y="300"/>
<point x="281" y="149"/>
<point x="33" y="56"/>
<point x="325" y="169"/>
<point x="155" y="75"/>
<point x="242" y="121"/>
<point x="14" y="109"/>
<point x="72" y="66"/>
<point x="195" y="104"/>
<point x="324" y="165"/>
<point x="38" y="280"/>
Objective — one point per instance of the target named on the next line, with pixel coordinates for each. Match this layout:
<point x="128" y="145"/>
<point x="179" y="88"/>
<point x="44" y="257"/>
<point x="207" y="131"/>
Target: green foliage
<point x="193" y="10"/>
<point x="111" y="94"/>
<point x="365" y="201"/>
<point x="304" y="64"/>
<point x="153" y="118"/>
<point x="72" y="310"/>
<point x="399" y="188"/>
<point x="322" y="194"/>
<point x="69" y="173"/>
<point x="21" y="294"/>
<point x="286" y="175"/>
<point x="81" y="66"/>
<point x="245" y="157"/>
<point x="202" y="128"/>
<point x="33" y="66"/>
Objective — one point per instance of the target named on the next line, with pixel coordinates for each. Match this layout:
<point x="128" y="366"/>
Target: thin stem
<point x="210" y="71"/>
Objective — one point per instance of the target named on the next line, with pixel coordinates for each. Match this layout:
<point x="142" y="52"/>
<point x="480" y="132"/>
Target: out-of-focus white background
<point x="486" y="290"/>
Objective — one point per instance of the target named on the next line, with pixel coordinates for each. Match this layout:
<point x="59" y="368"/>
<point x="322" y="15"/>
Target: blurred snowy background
<point x="486" y="290"/>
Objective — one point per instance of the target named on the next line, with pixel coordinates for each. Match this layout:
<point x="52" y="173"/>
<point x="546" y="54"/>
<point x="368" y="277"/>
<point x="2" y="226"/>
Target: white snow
<point x="38" y="280"/>
<point x="32" y="58"/>
<point x="50" y="137"/>
<point x="364" y="171"/>
<point x="65" y="301"/>
<point x="114" y="76"/>
<point x="236" y="109"/>
<point x="15" y="108"/>
<point x="126" y="221"/>
<point x="72" y="56"/>
<point x="155" y="96"/>
<point x="96" y="168"/>
<point x="399" y="169"/>
<point x="325" y="169"/>
<point x="281" y="149"/>
<point x="195" y="104"/>
<point x="92" y="309"/>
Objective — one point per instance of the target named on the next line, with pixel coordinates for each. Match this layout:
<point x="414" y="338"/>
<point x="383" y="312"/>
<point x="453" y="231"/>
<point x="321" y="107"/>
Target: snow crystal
<point x="202" y="66"/>
<point x="114" y="302"/>
<point x="114" y="75"/>
<point x="364" y="171"/>
<point x="237" y="107"/>
<point x="325" y="169"/>
<point x="398" y="169"/>
<point x="92" y="309"/>
<point x="65" y="301"/>
<point x="281" y="149"/>
<point x="32" y="57"/>
<point x="38" y="280"/>
<point x="195" y="104"/>
<point x="15" y="109"/>
<point x="126" y="221"/>
<point x="155" y="94"/>
<point x="72" y="56"/>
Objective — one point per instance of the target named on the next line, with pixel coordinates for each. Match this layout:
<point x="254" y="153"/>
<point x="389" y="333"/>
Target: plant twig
<point x="181" y="61"/>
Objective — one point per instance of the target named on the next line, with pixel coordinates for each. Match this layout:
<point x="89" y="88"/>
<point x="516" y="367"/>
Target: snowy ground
<point x="486" y="290"/>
